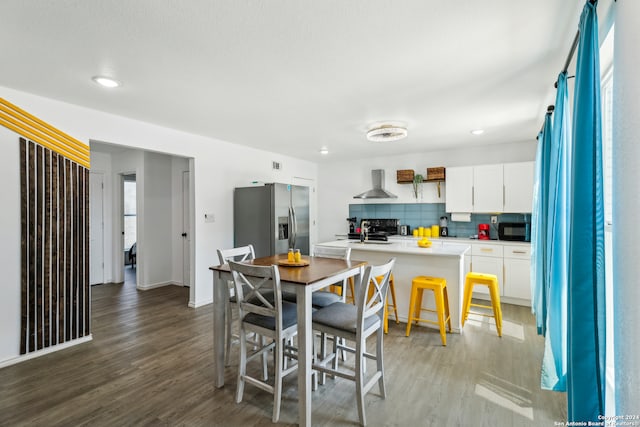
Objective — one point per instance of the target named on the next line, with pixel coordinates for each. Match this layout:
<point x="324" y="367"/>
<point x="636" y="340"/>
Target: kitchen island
<point x="443" y="259"/>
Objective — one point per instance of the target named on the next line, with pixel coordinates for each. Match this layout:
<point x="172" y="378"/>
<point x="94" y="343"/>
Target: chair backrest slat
<point x="375" y="282"/>
<point x="241" y="253"/>
<point x="254" y="285"/>
<point x="332" y="252"/>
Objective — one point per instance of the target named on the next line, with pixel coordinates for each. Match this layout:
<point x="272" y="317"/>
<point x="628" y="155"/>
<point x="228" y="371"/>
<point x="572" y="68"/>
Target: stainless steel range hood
<point x="378" y="191"/>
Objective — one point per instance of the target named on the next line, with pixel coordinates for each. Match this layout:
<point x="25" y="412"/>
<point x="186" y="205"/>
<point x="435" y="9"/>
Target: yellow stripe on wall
<point x="29" y="126"/>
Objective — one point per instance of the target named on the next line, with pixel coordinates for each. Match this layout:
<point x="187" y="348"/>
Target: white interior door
<point x="186" y="236"/>
<point x="96" y="228"/>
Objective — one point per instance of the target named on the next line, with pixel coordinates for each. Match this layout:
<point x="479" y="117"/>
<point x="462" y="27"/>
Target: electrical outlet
<point x="494" y="219"/>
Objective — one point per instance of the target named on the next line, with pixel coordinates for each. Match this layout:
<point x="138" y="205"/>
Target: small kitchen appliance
<point x="483" y="231"/>
<point x="352" y="224"/>
<point x="404" y="230"/>
<point x="444" y="229"/>
<point x="514" y="231"/>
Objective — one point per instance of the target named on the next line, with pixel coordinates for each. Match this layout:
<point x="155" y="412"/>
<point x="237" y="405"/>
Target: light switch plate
<point x="209" y="217"/>
<point x="494" y="219"/>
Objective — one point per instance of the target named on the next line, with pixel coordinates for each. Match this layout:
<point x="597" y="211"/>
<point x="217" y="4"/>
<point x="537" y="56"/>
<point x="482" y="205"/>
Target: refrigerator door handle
<point x="290" y="229"/>
<point x="295" y="226"/>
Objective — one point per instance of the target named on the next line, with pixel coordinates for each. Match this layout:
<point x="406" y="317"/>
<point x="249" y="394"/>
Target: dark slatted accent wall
<point x="55" y="248"/>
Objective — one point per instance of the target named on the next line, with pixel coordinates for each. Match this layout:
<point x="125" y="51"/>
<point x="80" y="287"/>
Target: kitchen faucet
<point x="364" y="230"/>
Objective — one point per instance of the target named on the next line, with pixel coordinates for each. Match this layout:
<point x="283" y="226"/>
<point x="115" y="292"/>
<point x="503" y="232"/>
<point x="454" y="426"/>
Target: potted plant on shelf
<point x="417" y="185"/>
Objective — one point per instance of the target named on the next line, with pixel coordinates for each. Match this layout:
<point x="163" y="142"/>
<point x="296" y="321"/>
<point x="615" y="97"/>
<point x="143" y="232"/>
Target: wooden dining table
<point x="303" y="280"/>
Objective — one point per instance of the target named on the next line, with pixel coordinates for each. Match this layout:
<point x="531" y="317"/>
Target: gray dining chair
<point x="356" y="323"/>
<point x="324" y="298"/>
<point x="242" y="253"/>
<point x="263" y="312"/>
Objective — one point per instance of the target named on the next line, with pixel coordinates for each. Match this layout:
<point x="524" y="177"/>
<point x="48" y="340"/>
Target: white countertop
<point x="464" y="240"/>
<point x="458" y="240"/>
<point x="404" y="245"/>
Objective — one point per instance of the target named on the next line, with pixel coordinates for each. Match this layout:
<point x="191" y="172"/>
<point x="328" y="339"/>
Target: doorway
<point x="130" y="231"/>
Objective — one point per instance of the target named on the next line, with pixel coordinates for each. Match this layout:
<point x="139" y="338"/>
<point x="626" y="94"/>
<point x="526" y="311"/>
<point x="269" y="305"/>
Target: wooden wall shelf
<point x="436" y="174"/>
<point x="405" y="176"/>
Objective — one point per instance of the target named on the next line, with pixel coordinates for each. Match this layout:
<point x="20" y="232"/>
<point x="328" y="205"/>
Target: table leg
<point x="219" y="314"/>
<point x="305" y="347"/>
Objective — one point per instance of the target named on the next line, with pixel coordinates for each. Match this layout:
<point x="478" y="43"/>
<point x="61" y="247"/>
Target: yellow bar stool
<point x="491" y="281"/>
<point x="439" y="287"/>
<point x="392" y="291"/>
<point x="351" y="298"/>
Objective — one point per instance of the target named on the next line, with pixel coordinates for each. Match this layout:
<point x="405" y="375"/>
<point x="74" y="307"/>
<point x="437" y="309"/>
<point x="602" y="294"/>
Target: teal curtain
<point x="586" y="283"/>
<point x="554" y="362"/>
<point x="539" y="227"/>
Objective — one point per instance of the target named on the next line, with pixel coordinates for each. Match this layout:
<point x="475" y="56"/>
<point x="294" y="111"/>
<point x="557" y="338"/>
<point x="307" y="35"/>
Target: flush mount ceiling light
<point x="106" y="81"/>
<point x="324" y="151"/>
<point x="477" y="132"/>
<point x="386" y="132"/>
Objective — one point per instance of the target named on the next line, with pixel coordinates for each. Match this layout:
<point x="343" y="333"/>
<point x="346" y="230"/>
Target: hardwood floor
<point x="151" y="363"/>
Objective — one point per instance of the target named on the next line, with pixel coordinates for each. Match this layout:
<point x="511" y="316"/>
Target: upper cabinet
<point x="459" y="189"/>
<point x="518" y="187"/>
<point x="487" y="188"/>
<point x="490" y="188"/>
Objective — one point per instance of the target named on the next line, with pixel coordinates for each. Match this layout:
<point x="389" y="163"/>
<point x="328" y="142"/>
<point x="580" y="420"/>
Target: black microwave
<point x="514" y="231"/>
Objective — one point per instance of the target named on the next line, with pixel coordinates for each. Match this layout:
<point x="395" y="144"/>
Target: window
<point x="130" y="217"/>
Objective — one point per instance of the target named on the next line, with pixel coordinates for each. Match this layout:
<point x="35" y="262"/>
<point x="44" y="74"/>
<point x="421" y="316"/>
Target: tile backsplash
<point x="427" y="214"/>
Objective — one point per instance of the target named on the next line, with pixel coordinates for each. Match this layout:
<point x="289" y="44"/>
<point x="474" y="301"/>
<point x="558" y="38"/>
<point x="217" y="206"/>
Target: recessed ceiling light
<point x="324" y="151"/>
<point x="477" y="132"/>
<point x="106" y="81"/>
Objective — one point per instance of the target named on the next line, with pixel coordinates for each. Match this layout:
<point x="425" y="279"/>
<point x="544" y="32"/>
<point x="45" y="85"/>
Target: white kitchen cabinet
<point x="517" y="268"/>
<point x="487" y="258"/>
<point x="488" y="188"/>
<point x="459" y="189"/>
<point x="518" y="187"/>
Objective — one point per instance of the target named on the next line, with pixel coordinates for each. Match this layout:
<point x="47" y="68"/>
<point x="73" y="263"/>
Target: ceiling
<point x="292" y="76"/>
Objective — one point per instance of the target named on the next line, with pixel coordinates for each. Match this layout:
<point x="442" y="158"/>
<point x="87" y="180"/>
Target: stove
<point x="379" y="237"/>
<point x="379" y="229"/>
<point x="387" y="227"/>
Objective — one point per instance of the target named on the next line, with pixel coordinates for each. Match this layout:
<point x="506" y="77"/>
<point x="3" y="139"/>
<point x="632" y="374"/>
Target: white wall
<point x="10" y="248"/>
<point x="154" y="236"/>
<point x="339" y="181"/>
<point x="218" y="167"/>
<point x="626" y="206"/>
<point x="101" y="163"/>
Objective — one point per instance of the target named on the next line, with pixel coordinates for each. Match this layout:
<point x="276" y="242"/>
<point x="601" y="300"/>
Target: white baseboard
<point x="196" y="304"/>
<point x="38" y="353"/>
<point x="157" y="285"/>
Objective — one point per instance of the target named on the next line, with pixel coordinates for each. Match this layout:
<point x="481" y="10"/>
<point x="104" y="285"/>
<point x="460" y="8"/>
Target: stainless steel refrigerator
<point x="273" y="218"/>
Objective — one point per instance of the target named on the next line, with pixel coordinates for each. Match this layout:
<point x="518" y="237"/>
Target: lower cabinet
<point x="517" y="272"/>
<point x="510" y="263"/>
<point x="487" y="258"/>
